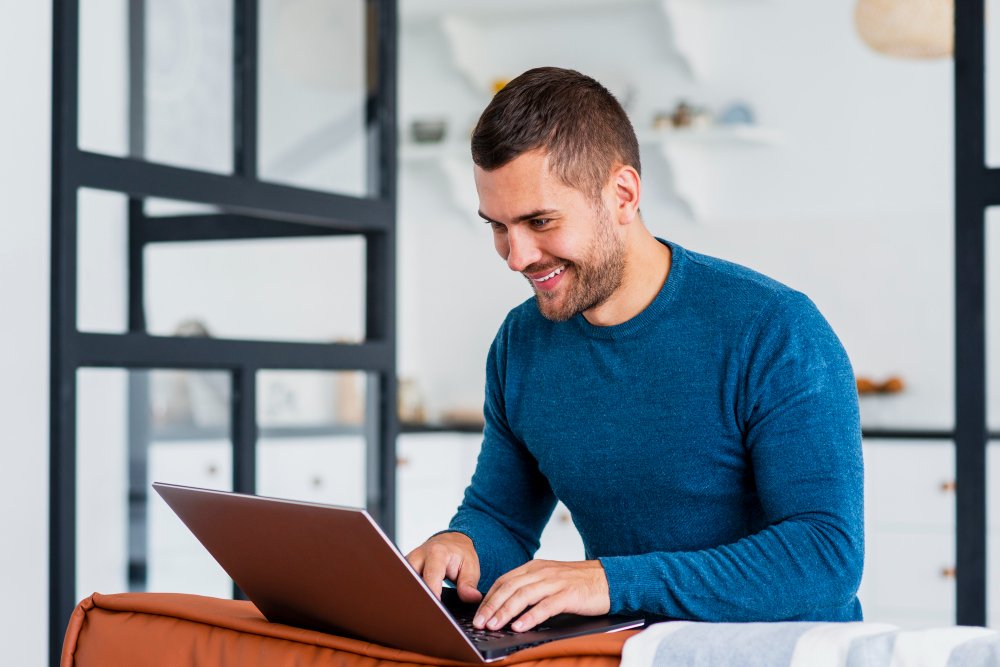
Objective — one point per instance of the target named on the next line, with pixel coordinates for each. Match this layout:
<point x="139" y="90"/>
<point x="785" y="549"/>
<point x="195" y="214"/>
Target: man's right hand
<point x="452" y="556"/>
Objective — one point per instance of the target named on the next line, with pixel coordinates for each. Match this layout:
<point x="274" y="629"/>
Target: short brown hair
<point x="576" y="119"/>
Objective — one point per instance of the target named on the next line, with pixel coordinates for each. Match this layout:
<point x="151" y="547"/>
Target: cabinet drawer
<point x="432" y="471"/>
<point x="909" y="577"/>
<point x="176" y="561"/>
<point x="910" y="484"/>
<point x="329" y="470"/>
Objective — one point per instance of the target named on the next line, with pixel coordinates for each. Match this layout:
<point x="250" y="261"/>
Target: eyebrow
<point x="522" y="218"/>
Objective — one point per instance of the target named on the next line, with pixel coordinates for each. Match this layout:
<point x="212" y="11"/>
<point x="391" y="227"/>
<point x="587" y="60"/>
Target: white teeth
<point x="551" y="275"/>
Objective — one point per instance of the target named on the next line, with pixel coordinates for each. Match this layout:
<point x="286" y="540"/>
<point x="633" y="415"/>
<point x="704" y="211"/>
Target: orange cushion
<point x="140" y="629"/>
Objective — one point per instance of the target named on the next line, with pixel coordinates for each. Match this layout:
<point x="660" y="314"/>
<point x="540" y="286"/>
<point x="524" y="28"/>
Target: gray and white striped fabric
<point x="690" y="644"/>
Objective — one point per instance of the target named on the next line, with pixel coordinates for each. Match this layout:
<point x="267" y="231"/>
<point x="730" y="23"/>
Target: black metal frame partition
<point x="250" y="209"/>
<point x="976" y="188"/>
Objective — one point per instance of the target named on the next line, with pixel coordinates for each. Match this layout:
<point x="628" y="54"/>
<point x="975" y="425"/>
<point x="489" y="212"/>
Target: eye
<point x="538" y="223"/>
<point x="497" y="226"/>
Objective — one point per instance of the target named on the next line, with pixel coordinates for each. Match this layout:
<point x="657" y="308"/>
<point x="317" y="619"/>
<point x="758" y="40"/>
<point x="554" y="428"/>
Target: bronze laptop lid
<point x="321" y="567"/>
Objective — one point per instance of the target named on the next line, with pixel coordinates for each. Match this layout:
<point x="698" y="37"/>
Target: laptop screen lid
<point x="321" y="567"/>
<point x="332" y="569"/>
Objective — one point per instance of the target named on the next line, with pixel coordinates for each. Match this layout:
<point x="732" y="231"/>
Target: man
<point x="699" y="420"/>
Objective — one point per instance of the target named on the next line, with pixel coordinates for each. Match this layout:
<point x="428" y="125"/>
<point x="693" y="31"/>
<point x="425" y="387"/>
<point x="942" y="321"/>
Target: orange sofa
<point x="140" y="629"/>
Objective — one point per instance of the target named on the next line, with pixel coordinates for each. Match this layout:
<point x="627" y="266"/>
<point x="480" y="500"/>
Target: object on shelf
<point x="868" y="387"/>
<point x="684" y="116"/>
<point x="907" y="28"/>
<point x="462" y="417"/>
<point x="428" y="130"/>
<point x="410" y="402"/>
<point x="663" y="120"/>
<point x="349" y="403"/>
<point x="737" y="113"/>
<point x="190" y="398"/>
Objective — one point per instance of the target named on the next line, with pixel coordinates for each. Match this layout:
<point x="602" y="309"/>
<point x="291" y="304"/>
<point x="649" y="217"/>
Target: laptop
<point x="332" y="569"/>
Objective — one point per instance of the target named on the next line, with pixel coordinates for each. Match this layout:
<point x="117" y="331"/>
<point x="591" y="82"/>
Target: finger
<point x="416" y="560"/>
<point x="541" y="612"/>
<point x="495" y="598"/>
<point x="468" y="593"/>
<point x="467" y="582"/>
<point x="517" y="603"/>
<point x="434" y="572"/>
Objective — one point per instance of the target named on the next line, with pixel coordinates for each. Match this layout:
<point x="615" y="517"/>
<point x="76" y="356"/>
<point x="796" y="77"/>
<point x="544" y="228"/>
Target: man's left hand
<point x="549" y="588"/>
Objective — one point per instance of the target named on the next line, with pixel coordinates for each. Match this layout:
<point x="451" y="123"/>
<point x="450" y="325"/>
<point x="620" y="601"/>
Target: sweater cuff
<point x="633" y="585"/>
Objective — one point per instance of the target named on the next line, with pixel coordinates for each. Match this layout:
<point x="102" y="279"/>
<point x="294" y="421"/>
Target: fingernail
<point x="517" y="626"/>
<point x="477" y="621"/>
<point x="493" y="624"/>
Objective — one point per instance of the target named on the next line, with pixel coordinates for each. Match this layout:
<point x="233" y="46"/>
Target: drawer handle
<point x="948" y="486"/>
<point x="402" y="461"/>
<point x="564" y="517"/>
<point x="317" y="482"/>
<point x="947" y="572"/>
<point x="212" y="470"/>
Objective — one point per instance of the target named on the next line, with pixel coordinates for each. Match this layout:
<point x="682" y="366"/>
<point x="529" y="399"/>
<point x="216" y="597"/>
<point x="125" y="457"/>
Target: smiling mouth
<point x="550" y="276"/>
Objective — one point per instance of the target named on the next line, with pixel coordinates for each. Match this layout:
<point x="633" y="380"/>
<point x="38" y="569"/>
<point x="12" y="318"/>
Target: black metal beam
<point x="906" y="434"/>
<point x="245" y="102"/>
<point x="380" y="313"/>
<point x="244" y="429"/>
<point x="971" y="178"/>
<point x="243" y="419"/>
<point x="233" y="194"/>
<point x="144" y="351"/>
<point x="227" y="227"/>
<point x="989" y="187"/>
<point x="62" y="373"/>
<point x="137" y="79"/>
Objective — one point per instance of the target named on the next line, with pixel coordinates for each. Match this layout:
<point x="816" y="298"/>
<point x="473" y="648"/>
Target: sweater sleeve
<point x="509" y="501"/>
<point x="798" y="411"/>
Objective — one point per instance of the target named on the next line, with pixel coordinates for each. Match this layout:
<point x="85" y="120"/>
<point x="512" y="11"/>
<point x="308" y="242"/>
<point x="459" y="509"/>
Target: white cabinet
<point x="432" y="473"/>
<point x="329" y="470"/>
<point x="176" y="561"/>
<point x="909" y="576"/>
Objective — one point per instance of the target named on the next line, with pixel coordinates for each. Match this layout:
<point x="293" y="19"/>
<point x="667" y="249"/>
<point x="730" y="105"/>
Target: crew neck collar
<point x="650" y="313"/>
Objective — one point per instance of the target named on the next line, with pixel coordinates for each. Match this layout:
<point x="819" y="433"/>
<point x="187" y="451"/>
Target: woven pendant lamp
<point x="907" y="28"/>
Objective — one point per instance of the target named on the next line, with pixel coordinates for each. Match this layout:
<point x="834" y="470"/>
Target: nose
<point x="521" y="249"/>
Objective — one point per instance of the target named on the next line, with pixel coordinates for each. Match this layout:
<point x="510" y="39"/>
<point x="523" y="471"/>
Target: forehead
<point x="525" y="183"/>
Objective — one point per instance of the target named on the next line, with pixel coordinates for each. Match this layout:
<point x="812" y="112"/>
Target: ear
<point x="628" y="188"/>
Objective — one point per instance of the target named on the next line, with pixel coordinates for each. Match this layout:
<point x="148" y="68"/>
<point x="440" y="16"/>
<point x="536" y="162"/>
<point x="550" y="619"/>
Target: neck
<point x="646" y="268"/>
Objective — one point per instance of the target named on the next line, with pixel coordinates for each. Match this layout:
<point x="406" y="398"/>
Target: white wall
<point x="25" y="64"/>
<point x="853" y="205"/>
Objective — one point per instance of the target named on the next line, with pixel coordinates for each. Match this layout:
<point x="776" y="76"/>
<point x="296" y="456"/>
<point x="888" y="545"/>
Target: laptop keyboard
<point x="483" y="635"/>
<point x="487" y="635"/>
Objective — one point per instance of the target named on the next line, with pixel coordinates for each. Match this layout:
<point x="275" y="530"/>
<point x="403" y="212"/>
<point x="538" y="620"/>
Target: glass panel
<point x="993" y="534"/>
<point x="993" y="317"/>
<point x="134" y="428"/>
<point x="313" y="436"/>
<point x="184" y="117"/>
<point x="992" y="73"/>
<point x="102" y="262"/>
<point x="298" y="289"/>
<point x="103" y="71"/>
<point x="314" y="95"/>
<point x="909" y="533"/>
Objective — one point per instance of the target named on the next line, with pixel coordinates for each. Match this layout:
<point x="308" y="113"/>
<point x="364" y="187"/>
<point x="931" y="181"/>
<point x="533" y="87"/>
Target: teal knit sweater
<point x="709" y="450"/>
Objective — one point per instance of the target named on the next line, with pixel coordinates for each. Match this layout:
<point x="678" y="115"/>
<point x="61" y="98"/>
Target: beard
<point x="593" y="279"/>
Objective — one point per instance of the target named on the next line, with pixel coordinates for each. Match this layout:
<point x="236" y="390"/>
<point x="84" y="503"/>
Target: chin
<point x="552" y="311"/>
